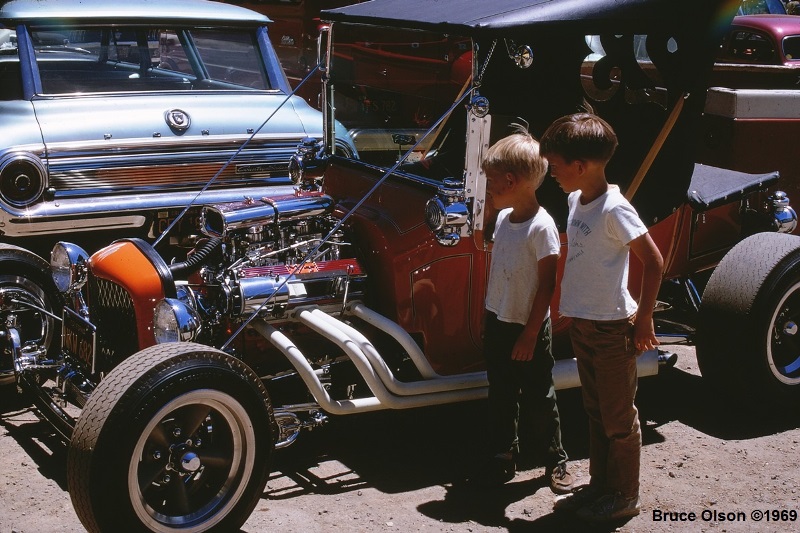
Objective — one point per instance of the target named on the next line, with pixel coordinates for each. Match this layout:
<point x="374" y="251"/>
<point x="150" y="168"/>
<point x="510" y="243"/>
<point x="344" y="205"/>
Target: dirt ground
<point x="706" y="466"/>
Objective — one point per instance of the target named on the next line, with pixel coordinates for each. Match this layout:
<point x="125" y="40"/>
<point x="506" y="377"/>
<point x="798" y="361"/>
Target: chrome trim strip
<point x="124" y="210"/>
<point x="148" y="145"/>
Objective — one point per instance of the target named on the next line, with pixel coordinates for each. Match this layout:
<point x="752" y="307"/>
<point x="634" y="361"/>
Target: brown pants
<point x="607" y="369"/>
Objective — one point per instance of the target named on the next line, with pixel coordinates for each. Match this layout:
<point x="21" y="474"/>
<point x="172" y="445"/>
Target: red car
<point x="763" y="40"/>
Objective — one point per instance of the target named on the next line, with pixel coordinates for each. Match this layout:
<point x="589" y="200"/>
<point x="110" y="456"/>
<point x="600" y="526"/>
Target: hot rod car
<point x="362" y="289"/>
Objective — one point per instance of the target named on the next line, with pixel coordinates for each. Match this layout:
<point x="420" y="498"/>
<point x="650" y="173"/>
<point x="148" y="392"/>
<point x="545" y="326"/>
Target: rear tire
<point x="176" y="438"/>
<point x="749" y="325"/>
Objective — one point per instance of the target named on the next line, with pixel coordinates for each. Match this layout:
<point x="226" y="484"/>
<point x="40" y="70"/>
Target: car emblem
<point x="177" y="119"/>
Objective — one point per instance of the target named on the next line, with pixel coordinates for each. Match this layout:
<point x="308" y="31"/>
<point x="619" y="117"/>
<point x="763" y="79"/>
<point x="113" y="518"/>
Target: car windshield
<point x="392" y="85"/>
<point x="74" y="59"/>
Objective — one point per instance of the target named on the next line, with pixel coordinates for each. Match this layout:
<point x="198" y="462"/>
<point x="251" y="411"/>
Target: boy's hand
<point x="646" y="251"/>
<point x="523" y="348"/>
<point x="644" y="335"/>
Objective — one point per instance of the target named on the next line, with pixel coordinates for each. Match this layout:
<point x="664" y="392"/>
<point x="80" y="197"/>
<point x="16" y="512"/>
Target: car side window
<point x="791" y="48"/>
<point x="751" y="47"/>
<point x="74" y="59"/>
<point x="230" y="57"/>
<point x="10" y="80"/>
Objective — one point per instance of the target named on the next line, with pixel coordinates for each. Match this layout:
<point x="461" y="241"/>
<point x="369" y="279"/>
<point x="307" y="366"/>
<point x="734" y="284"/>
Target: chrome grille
<point x="75" y="169"/>
<point x="111" y="309"/>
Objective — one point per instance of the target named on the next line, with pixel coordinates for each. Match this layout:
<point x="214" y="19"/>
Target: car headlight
<point x="68" y="266"/>
<point x="435" y="214"/>
<point x="175" y="321"/>
<point x="22" y="178"/>
<point x="448" y="216"/>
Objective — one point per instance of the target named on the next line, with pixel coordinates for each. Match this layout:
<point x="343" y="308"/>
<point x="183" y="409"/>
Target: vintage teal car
<point x="116" y="116"/>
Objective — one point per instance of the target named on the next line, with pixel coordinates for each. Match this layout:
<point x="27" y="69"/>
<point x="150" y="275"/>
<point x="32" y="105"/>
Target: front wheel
<point x="27" y="293"/>
<point x="176" y="438"/>
<point x="749" y="327"/>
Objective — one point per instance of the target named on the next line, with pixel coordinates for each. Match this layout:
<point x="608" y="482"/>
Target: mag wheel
<point x="749" y="327"/>
<point x="176" y="438"/>
<point x="783" y="341"/>
<point x="28" y="294"/>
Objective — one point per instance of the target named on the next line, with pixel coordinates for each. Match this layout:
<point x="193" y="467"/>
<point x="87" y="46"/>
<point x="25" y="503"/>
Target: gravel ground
<point x="706" y="466"/>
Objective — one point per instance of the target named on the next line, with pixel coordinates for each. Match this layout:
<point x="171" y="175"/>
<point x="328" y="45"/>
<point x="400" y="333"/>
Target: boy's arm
<point x="653" y="266"/>
<point x="526" y="343"/>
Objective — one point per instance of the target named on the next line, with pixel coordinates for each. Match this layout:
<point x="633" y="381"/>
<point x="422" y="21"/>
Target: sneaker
<point x="561" y="481"/>
<point x="579" y="498"/>
<point x="610" y="507"/>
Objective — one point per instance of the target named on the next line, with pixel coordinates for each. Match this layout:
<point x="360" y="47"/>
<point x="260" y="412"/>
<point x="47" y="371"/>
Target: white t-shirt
<point x="595" y="282"/>
<point x="514" y="272"/>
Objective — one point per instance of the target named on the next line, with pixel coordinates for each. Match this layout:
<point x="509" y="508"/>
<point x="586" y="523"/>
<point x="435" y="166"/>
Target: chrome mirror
<point x="523" y="56"/>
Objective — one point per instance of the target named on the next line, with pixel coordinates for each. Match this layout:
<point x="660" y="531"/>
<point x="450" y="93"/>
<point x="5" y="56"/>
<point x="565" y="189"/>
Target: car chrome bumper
<point x="116" y="211"/>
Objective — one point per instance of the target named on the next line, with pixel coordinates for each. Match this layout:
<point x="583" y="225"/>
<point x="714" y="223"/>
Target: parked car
<point x="363" y="288"/>
<point x="116" y="116"/>
<point x="762" y="39"/>
<point x="759" y="52"/>
<point x="751" y="107"/>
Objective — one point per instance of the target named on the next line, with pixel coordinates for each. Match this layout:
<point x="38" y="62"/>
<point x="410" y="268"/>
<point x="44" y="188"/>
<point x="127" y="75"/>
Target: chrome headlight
<point x="448" y="216"/>
<point x="68" y="266"/>
<point x="175" y="321"/>
<point x="435" y="214"/>
<point x="22" y="178"/>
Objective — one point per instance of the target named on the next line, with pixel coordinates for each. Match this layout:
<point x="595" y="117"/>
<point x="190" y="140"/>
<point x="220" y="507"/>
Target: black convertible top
<point x="471" y="18"/>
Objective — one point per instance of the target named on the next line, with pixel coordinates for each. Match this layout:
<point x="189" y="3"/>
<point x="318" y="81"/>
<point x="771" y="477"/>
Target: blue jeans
<point x="521" y="393"/>
<point x="607" y="368"/>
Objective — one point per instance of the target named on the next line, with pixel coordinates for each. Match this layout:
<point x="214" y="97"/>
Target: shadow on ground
<point x="409" y="450"/>
<point x="488" y="508"/>
<point x="401" y="451"/>
<point x="19" y="419"/>
<point x="397" y="452"/>
<point x="687" y="398"/>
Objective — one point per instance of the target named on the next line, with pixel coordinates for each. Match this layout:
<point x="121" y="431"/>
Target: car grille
<point x="102" y="170"/>
<point x="113" y="313"/>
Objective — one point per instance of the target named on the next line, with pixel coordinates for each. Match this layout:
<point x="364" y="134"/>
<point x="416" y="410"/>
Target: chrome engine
<point x="262" y="257"/>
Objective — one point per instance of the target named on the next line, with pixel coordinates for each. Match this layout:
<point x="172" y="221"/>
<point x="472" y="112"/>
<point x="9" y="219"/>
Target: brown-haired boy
<point x="608" y="328"/>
